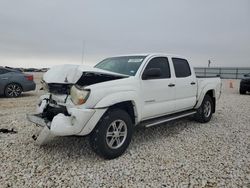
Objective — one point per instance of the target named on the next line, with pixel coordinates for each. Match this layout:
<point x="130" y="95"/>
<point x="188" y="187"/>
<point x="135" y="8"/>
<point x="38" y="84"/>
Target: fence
<point x="223" y="72"/>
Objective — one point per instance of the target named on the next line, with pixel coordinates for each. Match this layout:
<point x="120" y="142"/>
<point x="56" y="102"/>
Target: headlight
<point x="79" y="96"/>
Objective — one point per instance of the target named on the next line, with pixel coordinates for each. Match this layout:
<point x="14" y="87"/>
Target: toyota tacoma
<point x="109" y="100"/>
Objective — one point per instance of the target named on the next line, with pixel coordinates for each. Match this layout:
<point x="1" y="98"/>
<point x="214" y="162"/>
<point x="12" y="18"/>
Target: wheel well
<point x="128" y="107"/>
<point x="211" y="93"/>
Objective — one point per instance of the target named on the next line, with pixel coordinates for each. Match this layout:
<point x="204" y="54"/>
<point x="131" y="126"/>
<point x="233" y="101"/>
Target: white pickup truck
<point x="120" y="93"/>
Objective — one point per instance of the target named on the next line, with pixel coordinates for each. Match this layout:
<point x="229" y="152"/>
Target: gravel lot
<point x="183" y="153"/>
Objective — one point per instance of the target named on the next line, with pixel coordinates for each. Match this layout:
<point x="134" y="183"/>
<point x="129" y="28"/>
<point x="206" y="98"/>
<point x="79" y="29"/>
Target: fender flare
<point x="119" y="97"/>
<point x="202" y="94"/>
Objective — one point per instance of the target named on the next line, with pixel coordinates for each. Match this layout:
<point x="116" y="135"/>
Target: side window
<point x="162" y="64"/>
<point x="181" y="67"/>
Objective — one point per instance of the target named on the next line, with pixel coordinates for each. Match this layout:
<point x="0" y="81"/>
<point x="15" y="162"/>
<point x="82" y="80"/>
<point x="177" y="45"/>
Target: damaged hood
<point x="70" y="74"/>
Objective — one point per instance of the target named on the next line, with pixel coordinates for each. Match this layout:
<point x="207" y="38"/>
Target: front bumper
<point x="61" y="125"/>
<point x="62" y="120"/>
<point x="38" y="120"/>
<point x="64" y="125"/>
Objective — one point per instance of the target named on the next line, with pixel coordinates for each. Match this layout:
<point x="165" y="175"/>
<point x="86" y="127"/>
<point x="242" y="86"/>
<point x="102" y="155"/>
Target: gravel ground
<point x="182" y="153"/>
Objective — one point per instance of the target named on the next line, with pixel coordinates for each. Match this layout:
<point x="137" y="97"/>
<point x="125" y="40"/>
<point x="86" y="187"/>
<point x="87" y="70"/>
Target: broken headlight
<point x="79" y="95"/>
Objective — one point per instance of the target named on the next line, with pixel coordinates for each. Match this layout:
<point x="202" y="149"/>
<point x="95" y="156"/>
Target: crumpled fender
<point x="119" y="97"/>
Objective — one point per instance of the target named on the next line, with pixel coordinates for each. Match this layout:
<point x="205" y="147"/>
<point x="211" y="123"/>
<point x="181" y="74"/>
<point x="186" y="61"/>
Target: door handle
<point x="171" y="85"/>
<point x="192" y="83"/>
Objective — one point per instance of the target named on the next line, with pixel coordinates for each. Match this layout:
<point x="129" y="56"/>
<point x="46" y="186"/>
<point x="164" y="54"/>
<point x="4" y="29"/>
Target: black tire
<point x="205" y="111"/>
<point x="13" y="90"/>
<point x="101" y="136"/>
<point x="242" y="91"/>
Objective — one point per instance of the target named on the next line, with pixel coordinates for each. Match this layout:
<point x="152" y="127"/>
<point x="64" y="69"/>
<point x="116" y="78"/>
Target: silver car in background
<point x="14" y="82"/>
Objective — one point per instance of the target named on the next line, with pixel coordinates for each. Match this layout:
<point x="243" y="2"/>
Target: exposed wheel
<point x="204" y="112"/>
<point x="112" y="134"/>
<point x="242" y="91"/>
<point x="13" y="90"/>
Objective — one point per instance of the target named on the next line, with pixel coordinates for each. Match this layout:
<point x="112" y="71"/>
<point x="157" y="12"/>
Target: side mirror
<point x="246" y="75"/>
<point x="152" y="73"/>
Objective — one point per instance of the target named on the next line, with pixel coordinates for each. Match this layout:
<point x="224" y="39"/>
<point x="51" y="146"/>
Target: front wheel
<point x="112" y="134"/>
<point x="204" y="112"/>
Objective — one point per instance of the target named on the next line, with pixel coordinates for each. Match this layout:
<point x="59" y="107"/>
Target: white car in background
<point x="108" y="101"/>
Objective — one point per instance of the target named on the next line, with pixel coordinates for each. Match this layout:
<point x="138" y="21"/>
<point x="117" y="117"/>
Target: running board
<point x="164" y="119"/>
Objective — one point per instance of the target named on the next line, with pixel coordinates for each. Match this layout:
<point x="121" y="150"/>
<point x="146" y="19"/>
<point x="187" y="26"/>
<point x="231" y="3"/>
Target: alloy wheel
<point x="207" y="109"/>
<point x="13" y="90"/>
<point x="116" y="134"/>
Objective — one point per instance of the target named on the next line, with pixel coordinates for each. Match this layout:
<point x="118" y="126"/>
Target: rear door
<point x="186" y="86"/>
<point x="158" y="93"/>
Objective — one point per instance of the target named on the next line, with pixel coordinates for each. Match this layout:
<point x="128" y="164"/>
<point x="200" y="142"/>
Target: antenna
<point x="83" y="46"/>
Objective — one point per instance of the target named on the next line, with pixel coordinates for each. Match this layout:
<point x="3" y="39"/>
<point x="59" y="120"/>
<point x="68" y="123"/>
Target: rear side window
<point x="181" y="67"/>
<point x="3" y="71"/>
<point x="162" y="63"/>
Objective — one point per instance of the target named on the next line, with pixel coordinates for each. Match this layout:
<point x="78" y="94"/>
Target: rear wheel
<point x="13" y="90"/>
<point x="112" y="134"/>
<point x="204" y="112"/>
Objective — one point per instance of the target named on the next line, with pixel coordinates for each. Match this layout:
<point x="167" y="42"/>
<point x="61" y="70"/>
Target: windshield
<point x="127" y="65"/>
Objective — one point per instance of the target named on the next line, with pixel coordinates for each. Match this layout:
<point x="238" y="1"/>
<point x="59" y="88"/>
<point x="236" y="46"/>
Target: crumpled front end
<point x="61" y="112"/>
<point x="58" y="120"/>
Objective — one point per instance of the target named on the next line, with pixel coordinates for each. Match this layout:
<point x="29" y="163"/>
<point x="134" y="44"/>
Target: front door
<point x="158" y="93"/>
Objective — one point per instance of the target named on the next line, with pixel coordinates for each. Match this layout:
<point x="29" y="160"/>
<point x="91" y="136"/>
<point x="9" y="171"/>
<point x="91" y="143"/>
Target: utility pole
<point x="83" y="46"/>
<point x="209" y="62"/>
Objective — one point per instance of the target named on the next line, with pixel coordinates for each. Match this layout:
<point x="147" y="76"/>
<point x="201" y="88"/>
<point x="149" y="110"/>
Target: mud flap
<point x="43" y="137"/>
